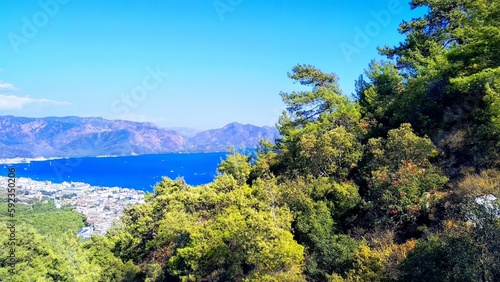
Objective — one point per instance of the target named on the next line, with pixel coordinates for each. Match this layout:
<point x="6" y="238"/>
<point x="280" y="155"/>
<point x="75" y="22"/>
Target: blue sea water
<point x="138" y="172"/>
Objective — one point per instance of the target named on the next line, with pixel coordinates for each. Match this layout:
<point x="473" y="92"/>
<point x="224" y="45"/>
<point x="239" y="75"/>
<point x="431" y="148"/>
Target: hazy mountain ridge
<point x="235" y="134"/>
<point x="89" y="136"/>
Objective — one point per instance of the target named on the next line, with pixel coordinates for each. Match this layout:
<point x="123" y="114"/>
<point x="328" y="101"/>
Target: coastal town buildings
<point x="102" y="206"/>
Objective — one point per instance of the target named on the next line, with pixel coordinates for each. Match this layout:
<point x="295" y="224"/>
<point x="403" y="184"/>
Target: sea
<point x="141" y="172"/>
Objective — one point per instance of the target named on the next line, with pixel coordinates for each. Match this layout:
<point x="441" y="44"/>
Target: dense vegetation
<point x="401" y="183"/>
<point x="48" y="250"/>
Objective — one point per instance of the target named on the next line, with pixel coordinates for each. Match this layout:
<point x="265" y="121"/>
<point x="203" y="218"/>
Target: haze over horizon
<point x="172" y="127"/>
<point x="181" y="64"/>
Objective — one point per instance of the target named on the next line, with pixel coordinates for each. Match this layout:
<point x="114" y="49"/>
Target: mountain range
<point x="23" y="137"/>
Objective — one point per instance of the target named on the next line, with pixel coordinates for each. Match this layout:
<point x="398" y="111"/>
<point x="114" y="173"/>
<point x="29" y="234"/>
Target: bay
<point x="138" y="172"/>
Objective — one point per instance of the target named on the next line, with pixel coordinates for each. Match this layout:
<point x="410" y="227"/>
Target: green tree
<point x="402" y="176"/>
<point x="225" y="230"/>
<point x="379" y="97"/>
<point x="35" y="260"/>
<point x="450" y="60"/>
<point x="320" y="130"/>
<point x="445" y="258"/>
<point x="238" y="166"/>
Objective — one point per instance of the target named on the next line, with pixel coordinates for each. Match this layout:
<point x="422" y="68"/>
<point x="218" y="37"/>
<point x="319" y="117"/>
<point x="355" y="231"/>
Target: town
<point x="102" y="206"/>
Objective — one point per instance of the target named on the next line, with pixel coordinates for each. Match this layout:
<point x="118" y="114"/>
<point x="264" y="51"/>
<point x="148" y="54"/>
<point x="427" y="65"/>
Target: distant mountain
<point x="234" y="134"/>
<point x="185" y="131"/>
<point x="77" y="136"/>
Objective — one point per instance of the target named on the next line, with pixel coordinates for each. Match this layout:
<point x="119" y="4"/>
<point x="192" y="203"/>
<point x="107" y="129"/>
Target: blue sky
<point x="199" y="64"/>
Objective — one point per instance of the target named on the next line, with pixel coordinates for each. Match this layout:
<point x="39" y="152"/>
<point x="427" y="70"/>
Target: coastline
<point x="102" y="206"/>
<point x="142" y="172"/>
<point x="27" y="160"/>
<point x="21" y="160"/>
<point x="40" y="159"/>
<point x="24" y="180"/>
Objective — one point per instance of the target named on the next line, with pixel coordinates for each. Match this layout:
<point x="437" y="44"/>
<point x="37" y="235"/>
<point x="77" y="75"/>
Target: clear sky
<point x="199" y="64"/>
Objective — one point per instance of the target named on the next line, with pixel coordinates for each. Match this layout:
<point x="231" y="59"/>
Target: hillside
<point x="234" y="134"/>
<point x="77" y="136"/>
<point x="400" y="184"/>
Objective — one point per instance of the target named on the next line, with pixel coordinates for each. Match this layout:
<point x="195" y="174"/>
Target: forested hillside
<point x="400" y="183"/>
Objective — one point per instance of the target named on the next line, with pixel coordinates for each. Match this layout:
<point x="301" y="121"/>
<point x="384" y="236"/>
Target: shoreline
<point x="9" y="161"/>
<point x="21" y="160"/>
<point x="41" y="159"/>
<point x="24" y="180"/>
<point x="102" y="206"/>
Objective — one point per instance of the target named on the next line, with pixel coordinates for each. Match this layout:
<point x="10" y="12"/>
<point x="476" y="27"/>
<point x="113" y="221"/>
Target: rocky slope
<point x="77" y="136"/>
<point x="234" y="134"/>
